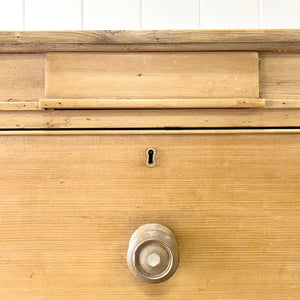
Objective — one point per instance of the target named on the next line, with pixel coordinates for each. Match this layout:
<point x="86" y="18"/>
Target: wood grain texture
<point x="282" y="103"/>
<point x="151" y="36"/>
<point x="231" y="200"/>
<point x="151" y="118"/>
<point x="152" y="75"/>
<point x="18" y="105"/>
<point x="228" y="46"/>
<point x="154" y="40"/>
<point x="149" y="103"/>
<point x="22" y="77"/>
<point x="280" y="75"/>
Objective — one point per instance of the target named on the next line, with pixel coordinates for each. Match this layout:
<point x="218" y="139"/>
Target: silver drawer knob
<point x="152" y="254"/>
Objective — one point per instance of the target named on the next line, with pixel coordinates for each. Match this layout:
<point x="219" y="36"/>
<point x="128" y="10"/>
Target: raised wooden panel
<point x="22" y="77"/>
<point x="69" y="205"/>
<point x="280" y="75"/>
<point x="152" y="75"/>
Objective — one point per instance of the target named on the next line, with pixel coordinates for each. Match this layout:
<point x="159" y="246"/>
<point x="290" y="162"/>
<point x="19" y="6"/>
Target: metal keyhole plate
<point x="150" y="157"/>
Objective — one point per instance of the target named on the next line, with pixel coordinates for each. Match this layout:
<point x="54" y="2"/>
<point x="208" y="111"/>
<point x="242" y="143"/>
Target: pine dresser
<point x="150" y="165"/>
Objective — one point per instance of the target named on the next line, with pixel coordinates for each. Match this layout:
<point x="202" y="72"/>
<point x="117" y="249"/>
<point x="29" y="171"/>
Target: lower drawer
<point x="71" y="200"/>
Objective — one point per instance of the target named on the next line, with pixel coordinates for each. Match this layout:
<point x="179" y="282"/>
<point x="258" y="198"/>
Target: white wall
<point x="148" y="14"/>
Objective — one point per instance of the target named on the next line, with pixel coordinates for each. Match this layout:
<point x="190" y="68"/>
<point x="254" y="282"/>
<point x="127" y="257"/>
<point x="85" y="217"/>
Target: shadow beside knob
<point x="153" y="254"/>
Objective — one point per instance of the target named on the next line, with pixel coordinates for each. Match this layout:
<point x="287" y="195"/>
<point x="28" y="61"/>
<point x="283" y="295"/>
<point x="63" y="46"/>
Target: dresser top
<point x="153" y="40"/>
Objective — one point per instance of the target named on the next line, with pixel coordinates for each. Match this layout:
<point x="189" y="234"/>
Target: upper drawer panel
<point x="152" y="75"/>
<point x="22" y="77"/>
<point x="280" y="75"/>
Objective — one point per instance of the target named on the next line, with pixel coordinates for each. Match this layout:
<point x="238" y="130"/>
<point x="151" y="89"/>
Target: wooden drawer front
<point x="152" y="75"/>
<point x="22" y="77"/>
<point x="69" y="205"/>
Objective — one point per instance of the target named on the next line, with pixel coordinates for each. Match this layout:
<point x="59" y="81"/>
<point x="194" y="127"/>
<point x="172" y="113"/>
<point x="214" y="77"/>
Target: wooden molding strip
<point x="149" y="132"/>
<point x="151" y="36"/>
<point x="149" y="103"/>
<point x="282" y="103"/>
<point x="150" y="118"/>
<point x="153" y="40"/>
<point x="19" y="106"/>
<point x="43" y="48"/>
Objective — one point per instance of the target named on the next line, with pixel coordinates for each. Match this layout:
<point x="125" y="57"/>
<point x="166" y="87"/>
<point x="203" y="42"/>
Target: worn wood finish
<point x="152" y="75"/>
<point x="43" y="48"/>
<point x="65" y="223"/>
<point x="151" y="36"/>
<point x="154" y="40"/>
<point x="149" y="103"/>
<point x="280" y="75"/>
<point x="151" y="118"/>
<point x="22" y="77"/>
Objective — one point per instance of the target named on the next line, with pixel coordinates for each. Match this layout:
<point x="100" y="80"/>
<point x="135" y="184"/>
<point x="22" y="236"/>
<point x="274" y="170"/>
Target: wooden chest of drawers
<point x="219" y="112"/>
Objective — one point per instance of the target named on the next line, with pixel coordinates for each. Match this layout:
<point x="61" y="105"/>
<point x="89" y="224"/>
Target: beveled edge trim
<point x="147" y="132"/>
<point x="149" y="103"/>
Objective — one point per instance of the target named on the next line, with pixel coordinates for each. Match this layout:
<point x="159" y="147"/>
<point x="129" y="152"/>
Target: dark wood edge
<point x="40" y="132"/>
<point x="153" y="40"/>
<point x="151" y="36"/>
<point x="43" y="48"/>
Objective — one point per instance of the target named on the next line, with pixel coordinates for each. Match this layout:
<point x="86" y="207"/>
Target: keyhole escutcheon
<point x="151" y="156"/>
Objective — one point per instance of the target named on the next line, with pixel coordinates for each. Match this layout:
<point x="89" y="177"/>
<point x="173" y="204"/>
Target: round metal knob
<point x="152" y="254"/>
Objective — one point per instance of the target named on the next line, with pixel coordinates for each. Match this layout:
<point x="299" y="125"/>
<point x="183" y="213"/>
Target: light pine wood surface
<point x="22" y="77"/>
<point x="152" y="75"/>
<point x="150" y="118"/>
<point x="149" y="103"/>
<point x="280" y="75"/>
<point x="69" y="205"/>
<point x="74" y="182"/>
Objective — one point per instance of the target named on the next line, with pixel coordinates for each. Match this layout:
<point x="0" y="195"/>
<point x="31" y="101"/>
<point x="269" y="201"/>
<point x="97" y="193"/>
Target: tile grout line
<point x="259" y="14"/>
<point x="141" y="12"/>
<point x="81" y="25"/>
<point x="200" y="14"/>
<point x="23" y="25"/>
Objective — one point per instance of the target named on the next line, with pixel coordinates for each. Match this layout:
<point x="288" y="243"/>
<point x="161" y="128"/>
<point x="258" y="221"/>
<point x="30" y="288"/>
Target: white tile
<point x="52" y="14"/>
<point x="170" y="14"/>
<point x="111" y="14"/>
<point x="229" y="14"/>
<point x="11" y="14"/>
<point x="280" y="14"/>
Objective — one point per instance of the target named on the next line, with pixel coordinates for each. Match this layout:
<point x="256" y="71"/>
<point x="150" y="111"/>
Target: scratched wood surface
<point x="69" y="205"/>
<point x="152" y="75"/>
